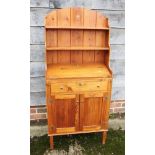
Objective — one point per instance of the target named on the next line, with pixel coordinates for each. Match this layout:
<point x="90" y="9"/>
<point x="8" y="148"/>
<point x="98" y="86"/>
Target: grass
<point x="87" y="144"/>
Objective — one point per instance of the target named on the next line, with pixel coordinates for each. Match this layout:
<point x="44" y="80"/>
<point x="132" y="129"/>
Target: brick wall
<point x="40" y="112"/>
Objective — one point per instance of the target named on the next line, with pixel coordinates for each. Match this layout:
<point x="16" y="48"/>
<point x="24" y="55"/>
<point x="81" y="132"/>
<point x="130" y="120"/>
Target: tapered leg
<point x="51" y="143"/>
<point x="104" y="136"/>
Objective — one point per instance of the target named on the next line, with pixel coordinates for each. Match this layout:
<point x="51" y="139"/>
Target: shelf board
<point x="77" y="48"/>
<point x="78" y="28"/>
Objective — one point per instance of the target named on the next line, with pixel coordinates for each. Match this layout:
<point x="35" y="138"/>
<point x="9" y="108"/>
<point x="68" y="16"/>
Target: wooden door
<point x="63" y="114"/>
<point x="94" y="111"/>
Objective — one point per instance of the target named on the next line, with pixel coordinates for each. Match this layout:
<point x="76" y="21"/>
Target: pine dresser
<point x="78" y="76"/>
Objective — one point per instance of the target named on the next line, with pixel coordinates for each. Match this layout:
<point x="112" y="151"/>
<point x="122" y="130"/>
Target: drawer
<point x="80" y="86"/>
<point x="93" y="85"/>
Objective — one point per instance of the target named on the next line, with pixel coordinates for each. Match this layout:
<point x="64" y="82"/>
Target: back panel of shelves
<point x="76" y="36"/>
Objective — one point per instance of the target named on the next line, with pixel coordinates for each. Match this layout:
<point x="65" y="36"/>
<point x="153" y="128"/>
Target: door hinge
<point x="105" y="97"/>
<point x="52" y="127"/>
<point x="50" y="101"/>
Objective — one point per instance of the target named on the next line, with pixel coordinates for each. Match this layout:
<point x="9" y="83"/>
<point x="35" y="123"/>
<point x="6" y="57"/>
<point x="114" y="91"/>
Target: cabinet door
<point x="63" y="114"/>
<point x="94" y="111"/>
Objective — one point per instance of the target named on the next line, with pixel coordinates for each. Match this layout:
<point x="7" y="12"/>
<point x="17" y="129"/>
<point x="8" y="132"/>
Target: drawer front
<point x="80" y="86"/>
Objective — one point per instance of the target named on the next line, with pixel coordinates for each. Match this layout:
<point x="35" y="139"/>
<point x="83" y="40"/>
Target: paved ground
<point x="42" y="130"/>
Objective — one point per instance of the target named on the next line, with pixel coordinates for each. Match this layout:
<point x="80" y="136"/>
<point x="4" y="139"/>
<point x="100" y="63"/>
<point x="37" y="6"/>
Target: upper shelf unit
<point x="76" y="36"/>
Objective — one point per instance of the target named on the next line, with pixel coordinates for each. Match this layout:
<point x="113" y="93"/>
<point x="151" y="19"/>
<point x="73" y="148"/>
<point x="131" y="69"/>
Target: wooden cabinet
<point x="78" y="77"/>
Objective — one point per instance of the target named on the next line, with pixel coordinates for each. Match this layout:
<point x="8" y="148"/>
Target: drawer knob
<point x="61" y="88"/>
<point x="81" y="84"/>
<point x="98" y="86"/>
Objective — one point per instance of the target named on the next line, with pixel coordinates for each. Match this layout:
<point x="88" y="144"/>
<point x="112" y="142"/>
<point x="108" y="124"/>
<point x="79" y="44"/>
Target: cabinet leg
<point x="104" y="136"/>
<point x="51" y="143"/>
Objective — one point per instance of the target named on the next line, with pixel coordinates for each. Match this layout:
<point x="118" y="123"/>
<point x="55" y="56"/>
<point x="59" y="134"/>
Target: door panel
<point x="93" y="111"/>
<point x="65" y="112"/>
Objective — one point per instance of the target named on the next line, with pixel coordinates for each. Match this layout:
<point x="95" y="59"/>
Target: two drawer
<point x="77" y="86"/>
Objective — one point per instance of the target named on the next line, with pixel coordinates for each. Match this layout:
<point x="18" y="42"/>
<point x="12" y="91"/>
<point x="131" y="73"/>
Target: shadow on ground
<point x="80" y="144"/>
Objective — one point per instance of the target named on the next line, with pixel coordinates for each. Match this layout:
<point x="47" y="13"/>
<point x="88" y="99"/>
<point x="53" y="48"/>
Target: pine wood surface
<point x="77" y="71"/>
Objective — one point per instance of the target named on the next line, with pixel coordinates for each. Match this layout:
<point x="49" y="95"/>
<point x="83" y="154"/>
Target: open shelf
<point x="77" y="48"/>
<point x="78" y="28"/>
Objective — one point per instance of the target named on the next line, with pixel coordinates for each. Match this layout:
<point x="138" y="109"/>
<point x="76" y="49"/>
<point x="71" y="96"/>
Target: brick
<point x="111" y="110"/>
<point x="32" y="110"/>
<point x="116" y="104"/>
<point x="123" y="104"/>
<point x="41" y="110"/>
<point x="119" y="110"/>
<point x="38" y="116"/>
<point x="112" y="104"/>
<point x="32" y="117"/>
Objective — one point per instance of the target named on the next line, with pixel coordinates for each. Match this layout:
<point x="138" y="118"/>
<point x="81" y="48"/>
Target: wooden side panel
<point x="106" y="58"/>
<point x="101" y="37"/>
<point x="50" y="110"/>
<point x="76" y="35"/>
<point x="101" y="21"/>
<point x="63" y="35"/>
<point x="89" y="35"/>
<point x="105" y="109"/>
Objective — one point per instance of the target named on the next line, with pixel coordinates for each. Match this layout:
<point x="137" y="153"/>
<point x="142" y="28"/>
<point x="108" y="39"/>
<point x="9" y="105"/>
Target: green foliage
<point x="88" y="144"/>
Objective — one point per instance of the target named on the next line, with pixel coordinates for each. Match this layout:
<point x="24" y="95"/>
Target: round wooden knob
<point x="61" y="88"/>
<point x="81" y="84"/>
